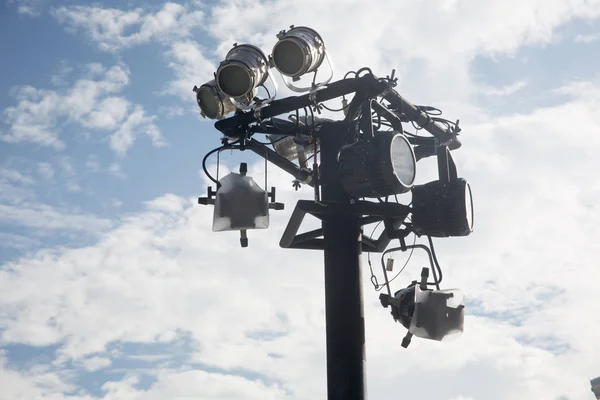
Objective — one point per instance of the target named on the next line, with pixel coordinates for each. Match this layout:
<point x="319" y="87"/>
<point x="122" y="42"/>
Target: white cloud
<point x="504" y="90"/>
<point x="172" y="111"/>
<point x="115" y="170"/>
<point x="73" y="187"/>
<point x="12" y="175"/>
<point x="46" y="170"/>
<point x="59" y="77"/>
<point x="168" y="202"/>
<point x="136" y="122"/>
<point x="27" y="7"/>
<point x="96" y="363"/>
<point x="190" y="65"/>
<point x="10" y="240"/>
<point x="92" y="164"/>
<point x="42" y="216"/>
<point x="40" y="115"/>
<point x="113" y="29"/>
<point x="587" y="38"/>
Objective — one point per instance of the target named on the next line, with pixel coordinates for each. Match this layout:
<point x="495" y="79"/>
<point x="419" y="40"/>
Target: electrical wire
<point x="401" y="269"/>
<point x="332" y="109"/>
<point x="225" y="146"/>
<point x="435" y="261"/>
<point x="273" y="142"/>
<point x="267" y="90"/>
<point x="309" y="158"/>
<point x="362" y="70"/>
<point x="373" y="277"/>
<point x="435" y="282"/>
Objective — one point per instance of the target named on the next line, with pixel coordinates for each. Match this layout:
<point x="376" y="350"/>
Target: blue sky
<point x="112" y="285"/>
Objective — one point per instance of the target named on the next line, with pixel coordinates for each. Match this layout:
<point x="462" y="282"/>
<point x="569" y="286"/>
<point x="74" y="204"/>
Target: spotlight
<point x="243" y="70"/>
<point x="240" y="204"/>
<point x="293" y="147"/>
<point x="213" y="103"/>
<point x="286" y="146"/>
<point x="443" y="209"/>
<point x="382" y="166"/>
<point x="299" y="51"/>
<point x="428" y="314"/>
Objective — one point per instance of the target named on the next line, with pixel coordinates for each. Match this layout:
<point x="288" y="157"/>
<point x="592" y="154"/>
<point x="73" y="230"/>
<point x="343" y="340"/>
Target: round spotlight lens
<point x="299" y="51"/>
<point x="289" y="57"/>
<point x="380" y="167"/>
<point x="469" y="206"/>
<point x="235" y="80"/>
<point x="213" y="103"/>
<point x="403" y="160"/>
<point x="209" y="103"/>
<point x="243" y="70"/>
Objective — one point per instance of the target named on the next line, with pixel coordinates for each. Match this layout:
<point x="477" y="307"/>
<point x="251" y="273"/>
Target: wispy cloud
<point x="113" y="29"/>
<point x="503" y="90"/>
<point x="20" y="242"/>
<point x="46" y="170"/>
<point x="587" y="38"/>
<point x="43" y="216"/>
<point x="27" y="7"/>
<point x="40" y="114"/>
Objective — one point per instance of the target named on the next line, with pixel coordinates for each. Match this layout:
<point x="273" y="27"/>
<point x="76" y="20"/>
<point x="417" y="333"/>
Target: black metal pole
<point x="345" y="326"/>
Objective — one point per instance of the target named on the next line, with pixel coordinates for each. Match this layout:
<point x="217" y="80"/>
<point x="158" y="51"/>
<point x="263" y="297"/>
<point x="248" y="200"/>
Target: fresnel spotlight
<point x="237" y="80"/>
<point x="358" y="165"/>
<point x="300" y="51"/>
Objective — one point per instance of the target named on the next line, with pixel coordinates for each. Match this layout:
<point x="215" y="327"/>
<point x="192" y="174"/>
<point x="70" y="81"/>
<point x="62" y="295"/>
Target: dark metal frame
<point x="368" y="213"/>
<point x="343" y="217"/>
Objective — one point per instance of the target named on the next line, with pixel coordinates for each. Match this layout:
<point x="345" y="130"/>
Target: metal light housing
<point x="244" y="69"/>
<point x="429" y="314"/>
<point x="240" y="204"/>
<point x="286" y="146"/>
<point x="299" y="51"/>
<point x="443" y="209"/>
<point x="379" y="167"/>
<point x="213" y="103"/>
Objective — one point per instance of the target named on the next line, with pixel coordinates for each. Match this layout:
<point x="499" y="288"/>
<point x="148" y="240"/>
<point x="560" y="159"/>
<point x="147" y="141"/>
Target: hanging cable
<point x="435" y="282"/>
<point x="401" y="269"/>
<point x="225" y="146"/>
<point x="374" y="280"/>
<point x="437" y="264"/>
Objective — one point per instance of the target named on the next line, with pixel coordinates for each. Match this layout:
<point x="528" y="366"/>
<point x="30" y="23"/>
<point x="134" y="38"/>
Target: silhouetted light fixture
<point x="596" y="387"/>
<point x="428" y="314"/>
<point x="244" y="69"/>
<point x="443" y="209"/>
<point x="213" y="103"/>
<point x="240" y="204"/>
<point x="379" y="167"/>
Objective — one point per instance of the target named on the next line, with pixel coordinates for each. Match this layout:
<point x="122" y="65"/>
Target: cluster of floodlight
<point x="299" y="51"/>
<point x="376" y="164"/>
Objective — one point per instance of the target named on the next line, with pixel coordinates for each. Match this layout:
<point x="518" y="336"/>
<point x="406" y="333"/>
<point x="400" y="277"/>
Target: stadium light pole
<point x="357" y="161"/>
<point x="344" y="310"/>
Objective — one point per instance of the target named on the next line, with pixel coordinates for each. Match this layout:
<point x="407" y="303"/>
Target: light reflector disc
<point x="243" y="70"/>
<point x="299" y="51"/>
<point x="213" y="103"/>
<point x="469" y="206"/>
<point x="289" y="57"/>
<point x="235" y="80"/>
<point x="403" y="160"/>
